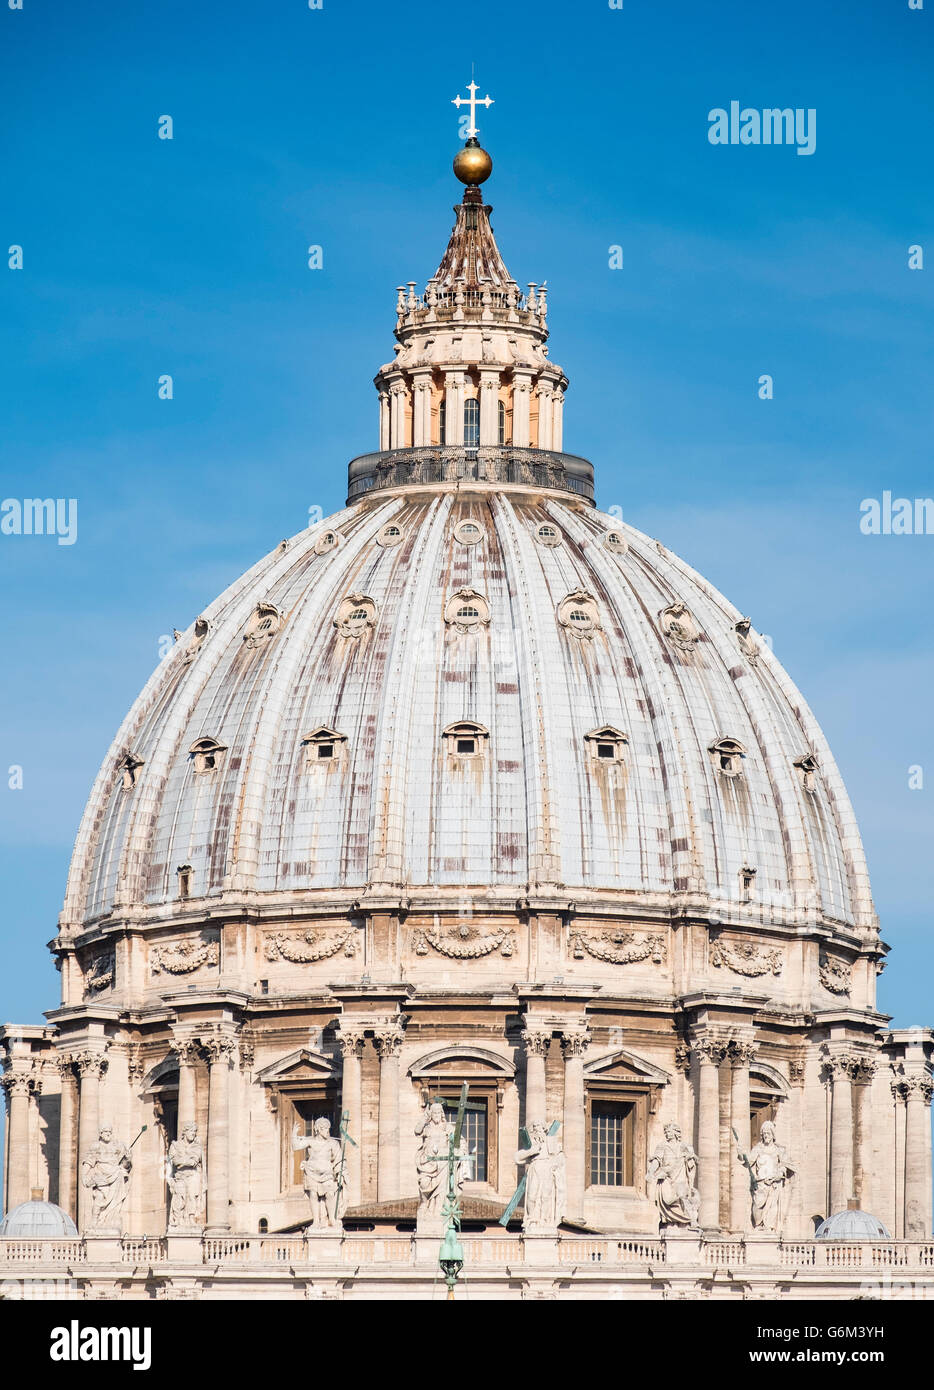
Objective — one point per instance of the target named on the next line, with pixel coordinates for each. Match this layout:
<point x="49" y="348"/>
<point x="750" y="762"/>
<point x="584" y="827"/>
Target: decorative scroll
<point x="463" y="942"/>
<point x="835" y="974"/>
<point x="618" y="947"/>
<point x="99" y="973"/>
<point x="309" y="946"/>
<point x="746" y="958"/>
<point x="183" y="957"/>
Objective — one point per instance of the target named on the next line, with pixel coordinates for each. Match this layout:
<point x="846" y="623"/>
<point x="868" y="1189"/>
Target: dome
<point x="851" y="1225"/>
<point x="37" y="1220"/>
<point x="634" y="738"/>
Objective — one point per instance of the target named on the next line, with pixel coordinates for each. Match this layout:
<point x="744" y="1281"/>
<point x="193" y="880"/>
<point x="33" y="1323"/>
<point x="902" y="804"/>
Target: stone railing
<point x="360" y="1249"/>
<point x="493" y="463"/>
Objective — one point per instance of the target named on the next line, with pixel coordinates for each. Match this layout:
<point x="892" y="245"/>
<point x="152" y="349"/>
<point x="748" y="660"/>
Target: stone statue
<point x="671" y="1175"/>
<point x="431" y="1160"/>
<point x="546" y="1187"/>
<point x="186" y="1180"/>
<point x="106" y="1171"/>
<point x="321" y="1170"/>
<point x="770" y="1172"/>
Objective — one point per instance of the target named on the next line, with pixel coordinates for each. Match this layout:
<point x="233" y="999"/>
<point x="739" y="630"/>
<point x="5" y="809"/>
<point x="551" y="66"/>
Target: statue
<point x="770" y="1172"/>
<point x="106" y="1171"/>
<point x="671" y="1175"/>
<point x="431" y="1160"/>
<point x="186" y="1179"/>
<point x="546" y="1187"/>
<point x="322" y="1172"/>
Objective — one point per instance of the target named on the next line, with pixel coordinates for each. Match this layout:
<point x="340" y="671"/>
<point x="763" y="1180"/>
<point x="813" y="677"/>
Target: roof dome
<point x="37" y="1220"/>
<point x="851" y="1225"/>
<point x="633" y="736"/>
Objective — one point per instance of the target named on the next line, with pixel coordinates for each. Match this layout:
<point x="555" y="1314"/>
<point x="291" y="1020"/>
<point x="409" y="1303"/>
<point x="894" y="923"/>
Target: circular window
<point x="548" y="534"/>
<point x="390" y="535"/>
<point x="265" y="621"/>
<point x="468" y="532"/>
<point x="613" y="540"/>
<point x="328" y="540"/>
<point x="466" y="611"/>
<point x="355" y="615"/>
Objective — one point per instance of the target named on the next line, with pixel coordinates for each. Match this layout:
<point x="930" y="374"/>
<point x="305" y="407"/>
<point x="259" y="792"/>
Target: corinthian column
<point x="863" y="1073"/>
<point x="18" y="1085"/>
<point x="841" y="1133"/>
<point x="574" y="1043"/>
<point x="187" y="1050"/>
<point x="537" y="1042"/>
<point x="219" y="1049"/>
<point x="91" y="1067"/>
<point x="351" y="1042"/>
<point x="741" y="1054"/>
<point x="917" y="1093"/>
<point x="709" y="1053"/>
<point x="388" y="1038"/>
<point x="68" y="1115"/>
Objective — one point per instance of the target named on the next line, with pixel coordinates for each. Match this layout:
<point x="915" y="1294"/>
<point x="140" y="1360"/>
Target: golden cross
<point x="473" y="101"/>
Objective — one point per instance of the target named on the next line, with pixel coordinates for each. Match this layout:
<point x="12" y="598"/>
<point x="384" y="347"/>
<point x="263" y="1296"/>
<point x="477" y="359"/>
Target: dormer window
<point x="465" y="739"/>
<point x="467" y="611"/>
<point x="468" y="532"/>
<point x="328" y="540"/>
<point x="613" y="540"/>
<point x="355" y="616"/>
<point x="606" y="744"/>
<point x="323" y="746"/>
<point x="679" y="626"/>
<point x="265" y="622"/>
<point x="390" y="535"/>
<point x="184" y="872"/>
<point x="807" y="771"/>
<point x="206" y="754"/>
<point x="747" y="882"/>
<point x="548" y="534"/>
<point x="578" y="614"/>
<point x="728" y="755"/>
<point x="129" y="767"/>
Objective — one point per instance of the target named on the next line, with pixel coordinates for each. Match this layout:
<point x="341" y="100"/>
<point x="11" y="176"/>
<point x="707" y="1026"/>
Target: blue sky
<point x="334" y="127"/>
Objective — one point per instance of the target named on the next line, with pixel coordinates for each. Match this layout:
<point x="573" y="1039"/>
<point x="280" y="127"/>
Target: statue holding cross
<point x="544" y="1183"/>
<point x="433" y="1160"/>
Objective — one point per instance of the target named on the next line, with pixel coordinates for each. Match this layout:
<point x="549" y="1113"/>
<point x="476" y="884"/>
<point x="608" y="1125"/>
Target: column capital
<point x="389" y="1038"/>
<point x="187" y="1049"/>
<point x="908" y="1088"/>
<point x="90" y="1064"/>
<point x="575" y="1040"/>
<point x="742" y="1052"/>
<point x="17" y="1083"/>
<point x="536" y="1041"/>
<point x="710" y="1047"/>
<point x="351" y="1038"/>
<point x="218" y="1047"/>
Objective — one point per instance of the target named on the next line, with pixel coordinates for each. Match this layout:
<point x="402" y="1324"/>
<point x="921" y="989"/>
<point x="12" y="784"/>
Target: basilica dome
<point x="458" y="685"/>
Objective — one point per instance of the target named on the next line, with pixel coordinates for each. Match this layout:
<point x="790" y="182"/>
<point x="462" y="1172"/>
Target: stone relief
<point x="770" y="1175"/>
<point x="671" y="1177"/>
<point x="835" y="974"/>
<point x="432" y="1159"/>
<point x="617" y="946"/>
<point x="746" y="958"/>
<point x="546" y="1188"/>
<point x="183" y="957"/>
<point x="186" y="1180"/>
<point x="464" y="942"/>
<point x="99" y="973"/>
<point x="309" y="946"/>
<point x="748" y="646"/>
<point x="322" y="1173"/>
<point x="105" y="1169"/>
<point x="679" y="626"/>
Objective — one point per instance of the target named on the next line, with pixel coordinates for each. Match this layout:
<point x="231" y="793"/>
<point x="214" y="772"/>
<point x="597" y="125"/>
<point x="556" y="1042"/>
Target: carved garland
<point x="618" y="947"/>
<point x="835" y="974"/>
<point x="309" y="946"/>
<point x="463" y="943"/>
<point x="184" y="957"/>
<point x="745" y="958"/>
<point x="99" y="973"/>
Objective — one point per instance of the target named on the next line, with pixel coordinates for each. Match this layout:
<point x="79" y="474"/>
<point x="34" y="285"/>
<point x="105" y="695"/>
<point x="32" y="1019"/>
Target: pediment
<point x="462" y="1062"/>
<point x="623" y="1065"/>
<point x="305" y="1064"/>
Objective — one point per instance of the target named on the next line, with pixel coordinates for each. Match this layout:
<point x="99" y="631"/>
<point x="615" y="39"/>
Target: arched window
<point x="471" y="422"/>
<point x="442" y="423"/>
<point x="501" y="417"/>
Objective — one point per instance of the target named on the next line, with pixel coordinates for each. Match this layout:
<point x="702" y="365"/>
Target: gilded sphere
<point x="472" y="164"/>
